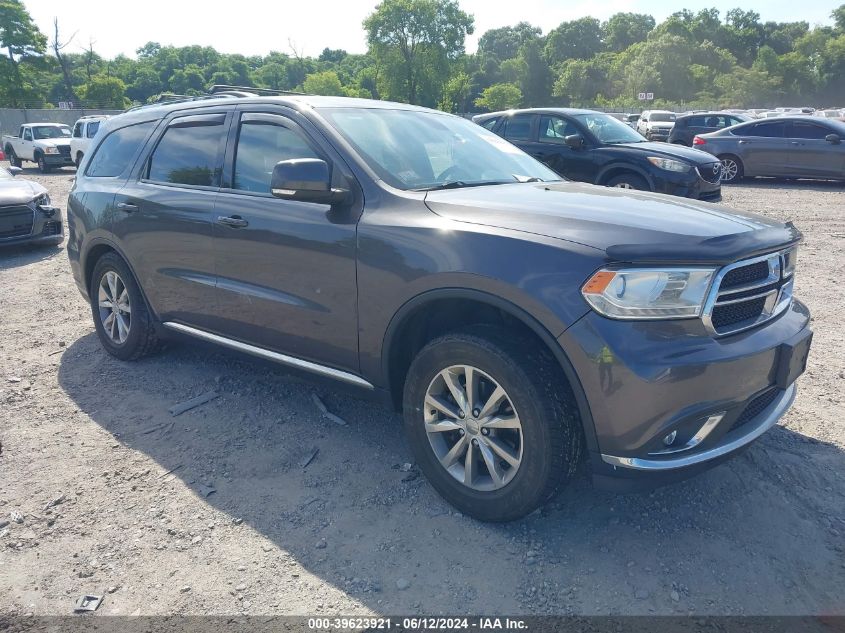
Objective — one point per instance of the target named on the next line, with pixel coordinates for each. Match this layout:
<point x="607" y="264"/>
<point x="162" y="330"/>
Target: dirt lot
<point x="212" y="512"/>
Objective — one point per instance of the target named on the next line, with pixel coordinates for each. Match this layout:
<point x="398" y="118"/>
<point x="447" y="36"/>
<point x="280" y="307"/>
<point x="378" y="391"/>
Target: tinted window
<point x="661" y="116"/>
<point x="490" y="123"/>
<point x="518" y="127"/>
<point x="801" y="129"/>
<point x="117" y="149"/>
<point x="188" y="154"/>
<point x="92" y="128"/>
<point x="77" y="130"/>
<point x="260" y="147"/>
<point x="555" y="130"/>
<point x="773" y="129"/>
<point x="693" y="121"/>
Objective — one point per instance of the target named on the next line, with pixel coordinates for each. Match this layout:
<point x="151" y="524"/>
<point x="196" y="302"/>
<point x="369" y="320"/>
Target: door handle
<point x="745" y="142"/>
<point x="128" y="207"/>
<point x="236" y="222"/>
<point x="796" y="143"/>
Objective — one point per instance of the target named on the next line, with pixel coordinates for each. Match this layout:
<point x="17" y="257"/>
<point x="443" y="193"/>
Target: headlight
<point x="43" y="200"/>
<point x="51" y="150"/>
<point x="668" y="164"/>
<point x="648" y="293"/>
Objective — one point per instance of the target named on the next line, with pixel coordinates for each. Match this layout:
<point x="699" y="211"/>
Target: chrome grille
<point x="748" y="293"/>
<point x="711" y="172"/>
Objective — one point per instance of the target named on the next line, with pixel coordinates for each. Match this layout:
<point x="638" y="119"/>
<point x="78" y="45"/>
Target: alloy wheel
<point x="473" y="428"/>
<point x="729" y="169"/>
<point x="623" y="185"/>
<point x="114" y="307"/>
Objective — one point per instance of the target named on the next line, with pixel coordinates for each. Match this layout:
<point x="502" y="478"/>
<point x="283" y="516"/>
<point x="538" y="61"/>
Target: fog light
<point x="670" y="439"/>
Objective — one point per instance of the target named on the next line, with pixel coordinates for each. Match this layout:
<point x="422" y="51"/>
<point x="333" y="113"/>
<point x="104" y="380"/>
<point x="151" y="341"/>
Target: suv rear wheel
<point x="488" y="423"/>
<point x="121" y="318"/>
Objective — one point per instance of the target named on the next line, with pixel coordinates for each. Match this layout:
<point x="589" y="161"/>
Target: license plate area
<point x="792" y="359"/>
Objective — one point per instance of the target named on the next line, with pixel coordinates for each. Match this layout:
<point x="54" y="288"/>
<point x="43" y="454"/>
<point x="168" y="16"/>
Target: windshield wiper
<point x="459" y="184"/>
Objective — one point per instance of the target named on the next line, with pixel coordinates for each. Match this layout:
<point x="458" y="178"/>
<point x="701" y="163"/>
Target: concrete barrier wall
<point x="11" y="118"/>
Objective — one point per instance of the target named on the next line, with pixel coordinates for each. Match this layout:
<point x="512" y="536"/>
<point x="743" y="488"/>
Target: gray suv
<point x="522" y="323"/>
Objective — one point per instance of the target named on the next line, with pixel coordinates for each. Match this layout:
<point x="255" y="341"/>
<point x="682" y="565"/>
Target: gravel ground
<point x="214" y="511"/>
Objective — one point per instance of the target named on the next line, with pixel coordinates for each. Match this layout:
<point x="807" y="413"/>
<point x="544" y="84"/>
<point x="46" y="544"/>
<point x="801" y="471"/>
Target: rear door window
<point x="190" y="152"/>
<point x="92" y="128"/>
<point x="518" y="127"/>
<point x="114" y="153"/>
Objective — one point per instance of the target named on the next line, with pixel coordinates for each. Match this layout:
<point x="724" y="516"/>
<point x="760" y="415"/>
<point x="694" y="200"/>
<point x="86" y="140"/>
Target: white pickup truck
<point x="47" y="144"/>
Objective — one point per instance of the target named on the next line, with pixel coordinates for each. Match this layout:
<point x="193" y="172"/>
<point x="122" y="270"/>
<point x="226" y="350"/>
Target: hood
<point x="53" y="142"/>
<point x="669" y="150"/>
<point x="15" y="191"/>
<point x="630" y="226"/>
<point x="661" y="124"/>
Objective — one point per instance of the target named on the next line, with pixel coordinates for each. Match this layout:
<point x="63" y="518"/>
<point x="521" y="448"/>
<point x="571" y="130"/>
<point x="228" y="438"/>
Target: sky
<point x="256" y="27"/>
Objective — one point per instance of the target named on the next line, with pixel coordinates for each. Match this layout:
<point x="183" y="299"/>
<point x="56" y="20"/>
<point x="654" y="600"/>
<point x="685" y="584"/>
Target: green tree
<point x="456" y="93"/>
<point x="504" y="43"/>
<point x="500" y="97"/>
<point x="323" y="83"/>
<point x="579" y="39"/>
<point x="104" y="92"/>
<point x="416" y="40"/>
<point x="21" y="39"/>
<point x="625" y="29"/>
<point x="838" y="15"/>
<point x="536" y="82"/>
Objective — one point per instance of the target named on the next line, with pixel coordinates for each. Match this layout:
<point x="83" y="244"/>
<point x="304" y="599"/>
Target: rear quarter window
<point x="113" y="154"/>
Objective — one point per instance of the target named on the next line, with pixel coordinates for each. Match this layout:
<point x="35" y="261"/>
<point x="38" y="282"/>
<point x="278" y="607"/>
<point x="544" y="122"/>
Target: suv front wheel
<point x="490" y="423"/>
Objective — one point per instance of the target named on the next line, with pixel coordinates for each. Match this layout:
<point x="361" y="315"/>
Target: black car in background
<point x="785" y="147"/>
<point x="687" y="126"/>
<point x="594" y="147"/>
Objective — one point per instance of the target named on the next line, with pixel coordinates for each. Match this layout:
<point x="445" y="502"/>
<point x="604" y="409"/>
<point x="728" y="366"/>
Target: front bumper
<point x="687" y="185"/>
<point x="643" y="380"/>
<point x="60" y="160"/>
<point x="44" y="229"/>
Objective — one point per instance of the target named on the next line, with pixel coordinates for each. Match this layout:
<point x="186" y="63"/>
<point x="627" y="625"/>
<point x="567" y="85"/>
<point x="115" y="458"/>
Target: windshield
<point x="50" y="131"/>
<point x="661" y="116"/>
<point x="608" y="130"/>
<point x="424" y="150"/>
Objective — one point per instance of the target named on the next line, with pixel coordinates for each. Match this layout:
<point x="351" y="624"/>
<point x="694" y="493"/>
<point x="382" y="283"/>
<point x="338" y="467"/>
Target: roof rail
<point x="249" y="91"/>
<point x="217" y="91"/>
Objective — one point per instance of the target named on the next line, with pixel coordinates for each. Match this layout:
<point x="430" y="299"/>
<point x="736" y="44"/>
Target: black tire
<point x="551" y="434"/>
<point x="43" y="167"/>
<point x="629" y="180"/>
<point x="78" y="161"/>
<point x="141" y="338"/>
<point x="14" y="161"/>
<point x="730" y="175"/>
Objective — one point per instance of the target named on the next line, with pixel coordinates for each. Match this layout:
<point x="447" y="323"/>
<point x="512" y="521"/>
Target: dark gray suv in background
<point x="517" y="319"/>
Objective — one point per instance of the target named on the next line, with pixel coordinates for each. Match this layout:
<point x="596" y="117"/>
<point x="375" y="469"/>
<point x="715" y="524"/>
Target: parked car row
<point x="51" y="145"/>
<point x="517" y="319"/>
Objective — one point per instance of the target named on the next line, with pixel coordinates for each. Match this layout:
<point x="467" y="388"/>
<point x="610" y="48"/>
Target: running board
<point x="284" y="359"/>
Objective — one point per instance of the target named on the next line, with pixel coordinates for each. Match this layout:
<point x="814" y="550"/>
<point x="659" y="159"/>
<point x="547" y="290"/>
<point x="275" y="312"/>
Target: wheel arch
<point x="617" y="169"/>
<point x="404" y="337"/>
<point x="94" y="252"/>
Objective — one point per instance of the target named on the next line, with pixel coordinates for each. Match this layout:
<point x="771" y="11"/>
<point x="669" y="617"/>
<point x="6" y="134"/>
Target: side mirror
<point x="833" y="139"/>
<point x="15" y="170"/>
<point x="575" y="141"/>
<point x="306" y="179"/>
